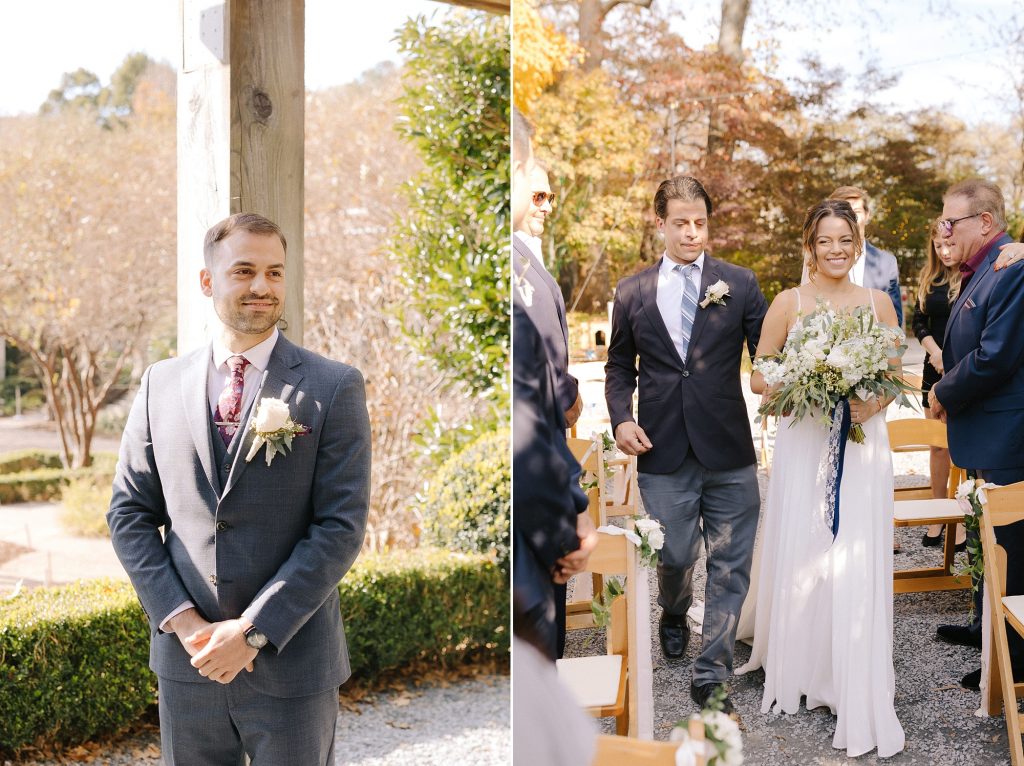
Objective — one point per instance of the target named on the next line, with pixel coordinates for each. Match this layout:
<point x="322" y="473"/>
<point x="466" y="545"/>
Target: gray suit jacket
<point x="882" y="272"/>
<point x="273" y="542"/>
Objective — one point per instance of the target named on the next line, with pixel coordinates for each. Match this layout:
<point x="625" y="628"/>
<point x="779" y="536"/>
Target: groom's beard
<point x="243" y="320"/>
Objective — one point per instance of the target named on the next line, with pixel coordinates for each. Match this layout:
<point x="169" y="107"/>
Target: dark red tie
<point x="229" y="405"/>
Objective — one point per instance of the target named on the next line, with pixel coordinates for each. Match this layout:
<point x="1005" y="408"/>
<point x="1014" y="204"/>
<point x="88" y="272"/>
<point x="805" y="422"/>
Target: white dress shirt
<point x="670" y="296"/>
<point x="535" y="246"/>
<point x="217" y="378"/>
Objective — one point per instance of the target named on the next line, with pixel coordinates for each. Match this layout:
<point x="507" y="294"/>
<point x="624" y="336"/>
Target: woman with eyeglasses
<point x="937" y="287"/>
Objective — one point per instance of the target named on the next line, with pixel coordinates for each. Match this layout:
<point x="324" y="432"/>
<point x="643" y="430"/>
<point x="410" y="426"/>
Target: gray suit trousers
<point x="723" y="506"/>
<point x="211" y="724"/>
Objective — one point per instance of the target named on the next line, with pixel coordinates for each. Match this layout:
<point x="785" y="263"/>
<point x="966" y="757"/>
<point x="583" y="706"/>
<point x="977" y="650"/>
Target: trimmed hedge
<point x="467" y="504"/>
<point x="74" y="659"/>
<point x="29" y="460"/>
<point x="47" y="483"/>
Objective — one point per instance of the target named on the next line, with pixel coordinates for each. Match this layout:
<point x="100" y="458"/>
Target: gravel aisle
<point x="936" y="713"/>
<point x="466" y="722"/>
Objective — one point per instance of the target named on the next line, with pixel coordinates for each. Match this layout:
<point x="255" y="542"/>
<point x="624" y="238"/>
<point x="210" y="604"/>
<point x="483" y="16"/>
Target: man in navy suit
<point x="552" y="532"/>
<point x="876" y="268"/>
<point x="687" y="318"/>
<point x="981" y="393"/>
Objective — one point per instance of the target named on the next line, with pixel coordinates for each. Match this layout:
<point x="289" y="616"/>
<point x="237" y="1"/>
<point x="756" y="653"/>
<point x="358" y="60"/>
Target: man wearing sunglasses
<point x="546" y="307"/>
<point x="981" y="393"/>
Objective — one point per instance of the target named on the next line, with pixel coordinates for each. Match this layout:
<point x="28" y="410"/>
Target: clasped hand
<point x="218" y="649"/>
<point x="862" y="411"/>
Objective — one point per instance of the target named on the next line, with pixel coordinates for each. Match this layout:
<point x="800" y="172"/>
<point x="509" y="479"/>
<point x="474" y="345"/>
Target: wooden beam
<point x="241" y="112"/>
<point x="494" y="6"/>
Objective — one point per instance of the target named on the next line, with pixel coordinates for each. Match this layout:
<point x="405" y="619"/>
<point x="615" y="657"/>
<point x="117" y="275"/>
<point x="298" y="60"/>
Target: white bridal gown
<point x="823" y="613"/>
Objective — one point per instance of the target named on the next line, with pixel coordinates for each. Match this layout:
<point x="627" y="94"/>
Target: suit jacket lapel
<point x="195" y="395"/>
<point x="648" y="284"/>
<point x="279" y="381"/>
<point x="979" y="275"/>
<point x="708" y="276"/>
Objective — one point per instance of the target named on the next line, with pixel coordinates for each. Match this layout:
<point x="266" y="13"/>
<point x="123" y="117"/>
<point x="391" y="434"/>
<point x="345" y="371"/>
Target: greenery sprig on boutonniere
<point x="971" y="496"/>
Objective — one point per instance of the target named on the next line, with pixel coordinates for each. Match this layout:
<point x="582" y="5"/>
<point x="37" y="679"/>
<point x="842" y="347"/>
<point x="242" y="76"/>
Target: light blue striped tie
<point x="688" y="307"/>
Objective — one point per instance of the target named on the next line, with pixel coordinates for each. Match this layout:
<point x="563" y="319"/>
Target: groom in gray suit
<point x="237" y="562"/>
<point x="686" y="319"/>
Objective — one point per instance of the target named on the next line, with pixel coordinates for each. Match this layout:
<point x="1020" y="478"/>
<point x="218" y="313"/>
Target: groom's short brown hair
<point x="254" y="223"/>
<point x="686" y="188"/>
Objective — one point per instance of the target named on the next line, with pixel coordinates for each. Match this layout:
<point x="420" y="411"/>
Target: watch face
<point x="255" y="639"/>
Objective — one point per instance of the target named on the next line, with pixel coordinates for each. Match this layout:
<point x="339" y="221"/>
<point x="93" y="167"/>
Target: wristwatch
<point x="254" y="638"/>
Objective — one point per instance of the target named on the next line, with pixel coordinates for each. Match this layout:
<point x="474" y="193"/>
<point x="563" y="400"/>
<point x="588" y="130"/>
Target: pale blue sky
<point x="944" y="50"/>
<point x="42" y="39"/>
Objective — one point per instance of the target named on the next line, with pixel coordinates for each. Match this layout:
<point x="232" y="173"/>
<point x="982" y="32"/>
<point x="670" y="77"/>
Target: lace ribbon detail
<point x="836" y="445"/>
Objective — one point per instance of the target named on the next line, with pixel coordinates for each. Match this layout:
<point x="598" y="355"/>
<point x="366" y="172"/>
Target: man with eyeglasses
<point x="981" y="393"/>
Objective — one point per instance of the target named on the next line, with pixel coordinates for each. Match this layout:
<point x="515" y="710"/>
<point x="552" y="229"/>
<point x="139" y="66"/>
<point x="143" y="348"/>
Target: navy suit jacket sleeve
<point x="620" y="371"/>
<point x="546" y="492"/>
<point x="1000" y="352"/>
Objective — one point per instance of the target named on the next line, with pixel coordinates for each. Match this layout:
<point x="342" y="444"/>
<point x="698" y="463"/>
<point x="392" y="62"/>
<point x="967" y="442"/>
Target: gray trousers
<point x="211" y="724"/>
<point x="723" y="506"/>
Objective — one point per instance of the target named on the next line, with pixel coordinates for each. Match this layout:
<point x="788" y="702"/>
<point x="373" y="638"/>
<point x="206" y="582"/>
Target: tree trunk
<point x="730" y="46"/>
<point x="590" y="26"/>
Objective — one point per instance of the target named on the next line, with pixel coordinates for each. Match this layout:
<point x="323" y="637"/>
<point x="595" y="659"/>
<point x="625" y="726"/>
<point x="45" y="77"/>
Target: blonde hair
<point x="827" y="209"/>
<point x="935" y="272"/>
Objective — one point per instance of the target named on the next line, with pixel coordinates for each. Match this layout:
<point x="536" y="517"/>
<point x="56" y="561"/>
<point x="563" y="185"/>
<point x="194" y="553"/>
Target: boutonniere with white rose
<point x="716" y="293"/>
<point x="274" y="427"/>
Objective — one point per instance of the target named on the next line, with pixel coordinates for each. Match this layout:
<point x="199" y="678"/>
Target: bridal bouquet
<point x="828" y="357"/>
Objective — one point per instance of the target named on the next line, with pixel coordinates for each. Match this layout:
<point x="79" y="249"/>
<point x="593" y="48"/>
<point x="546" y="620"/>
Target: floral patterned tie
<point x="229" y="405"/>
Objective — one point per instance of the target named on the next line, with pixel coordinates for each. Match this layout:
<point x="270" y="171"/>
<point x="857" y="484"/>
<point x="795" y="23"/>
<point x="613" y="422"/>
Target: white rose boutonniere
<point x="273" y="426"/>
<point x="716" y="293"/>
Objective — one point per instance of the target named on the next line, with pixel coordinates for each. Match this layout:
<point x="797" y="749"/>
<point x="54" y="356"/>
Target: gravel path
<point x="464" y="722"/>
<point x="936" y="713"/>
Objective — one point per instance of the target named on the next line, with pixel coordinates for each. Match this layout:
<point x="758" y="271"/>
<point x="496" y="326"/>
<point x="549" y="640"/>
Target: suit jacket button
<point x="227" y="467"/>
<point x="221" y="526"/>
<point x="686" y="373"/>
<point x="213" y="579"/>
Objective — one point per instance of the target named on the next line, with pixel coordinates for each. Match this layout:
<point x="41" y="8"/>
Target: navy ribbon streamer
<point x="841" y="418"/>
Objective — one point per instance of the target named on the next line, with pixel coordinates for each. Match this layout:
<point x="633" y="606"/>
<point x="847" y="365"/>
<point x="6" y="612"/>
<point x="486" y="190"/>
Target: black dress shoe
<point x="960" y="547"/>
<point x="931" y="542"/>
<point x="972" y="680"/>
<point x="674" y="635"/>
<point x="702" y="693"/>
<point x="958" y="634"/>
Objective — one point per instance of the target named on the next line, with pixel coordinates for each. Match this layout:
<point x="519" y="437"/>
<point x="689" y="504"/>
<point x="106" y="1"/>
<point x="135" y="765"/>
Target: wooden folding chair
<point x="617" y="480"/>
<point x="1005" y="506"/>
<point x="586" y="451"/>
<point x="916" y="507"/>
<point x="622" y="751"/>
<point x="602" y="683"/>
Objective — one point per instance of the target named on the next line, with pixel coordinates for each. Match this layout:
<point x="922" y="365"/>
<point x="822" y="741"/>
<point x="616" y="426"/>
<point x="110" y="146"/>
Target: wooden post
<point x="241" y="112"/>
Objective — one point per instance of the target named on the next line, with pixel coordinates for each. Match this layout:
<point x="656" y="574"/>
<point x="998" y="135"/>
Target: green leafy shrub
<point x="41" y="484"/>
<point x="73" y="663"/>
<point x="74" y="660"/>
<point x="29" y="460"/>
<point x="84" y="505"/>
<point x="467" y="502"/>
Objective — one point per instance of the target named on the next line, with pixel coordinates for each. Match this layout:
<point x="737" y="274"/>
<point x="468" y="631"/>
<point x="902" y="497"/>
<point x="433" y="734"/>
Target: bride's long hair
<point x="935" y="272"/>
<point x="830" y="207"/>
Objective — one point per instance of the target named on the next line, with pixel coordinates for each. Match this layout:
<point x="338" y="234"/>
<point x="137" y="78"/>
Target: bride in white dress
<point x="823" y="613"/>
